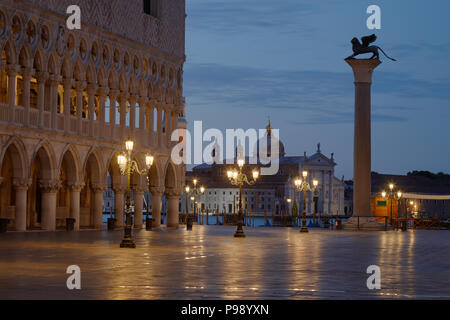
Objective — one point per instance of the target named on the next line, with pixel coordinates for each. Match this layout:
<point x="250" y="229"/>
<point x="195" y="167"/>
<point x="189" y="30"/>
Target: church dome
<point x="265" y="145"/>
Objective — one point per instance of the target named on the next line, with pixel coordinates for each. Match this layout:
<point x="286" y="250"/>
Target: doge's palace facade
<point x="70" y="98"/>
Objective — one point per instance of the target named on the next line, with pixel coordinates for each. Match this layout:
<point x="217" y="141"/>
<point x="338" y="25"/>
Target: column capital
<point x="91" y="88"/>
<point x="42" y="76"/>
<point x="98" y="187"/>
<point x="139" y="190"/>
<point x="21" y="183"/>
<point x="68" y="83"/>
<point x="76" y="187"/>
<point x="363" y="69"/>
<point x="55" y="78"/>
<point x="80" y="85"/>
<point x="49" y="186"/>
<point x="143" y="100"/>
<point x="103" y="91"/>
<point x="114" y="92"/>
<point x="12" y="69"/>
<point x="172" y="193"/>
<point x="124" y="95"/>
<point x="133" y="98"/>
<point x="156" y="190"/>
<point x="27" y="72"/>
<point x="120" y="189"/>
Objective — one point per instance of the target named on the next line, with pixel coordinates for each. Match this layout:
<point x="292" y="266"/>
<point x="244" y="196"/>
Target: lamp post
<point x="303" y="185"/>
<point x="391" y="195"/>
<point x="127" y="167"/>
<point x="194" y="192"/>
<point x="238" y="178"/>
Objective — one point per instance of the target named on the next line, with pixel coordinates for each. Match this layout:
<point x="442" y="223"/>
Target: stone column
<point x="98" y="190"/>
<point x="159" y="126"/>
<point x="41" y="78"/>
<point x="132" y="113"/>
<point x="113" y="94"/>
<point x="91" y="90"/>
<point x="123" y="113"/>
<point x="74" y="213"/>
<point x="151" y="123"/>
<point x="156" y="205"/>
<point x="173" y="198"/>
<point x="142" y="128"/>
<point x="49" y="190"/>
<point x="362" y="70"/>
<point x="362" y="217"/>
<point x="21" y="188"/>
<point x="79" y="87"/>
<point x="103" y="93"/>
<point x="54" y="82"/>
<point x="119" y="205"/>
<point x="12" y="71"/>
<point x="67" y="83"/>
<point x="27" y="73"/>
<point x="138" y="205"/>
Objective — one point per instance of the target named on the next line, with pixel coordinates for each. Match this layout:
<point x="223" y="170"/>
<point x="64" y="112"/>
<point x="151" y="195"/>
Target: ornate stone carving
<point x="157" y="190"/>
<point x="20" y="183"/>
<point x="49" y="186"/>
<point x="98" y="187"/>
<point x="76" y="187"/>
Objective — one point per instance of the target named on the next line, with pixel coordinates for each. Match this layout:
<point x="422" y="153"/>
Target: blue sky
<point x="251" y="59"/>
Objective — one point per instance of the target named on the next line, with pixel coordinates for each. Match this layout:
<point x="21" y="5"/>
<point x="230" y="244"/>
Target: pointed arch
<point x="94" y="161"/>
<point x="71" y="158"/>
<point x="91" y="75"/>
<point x="171" y="176"/>
<point x="19" y="157"/>
<point x="39" y="61"/>
<point x="44" y="151"/>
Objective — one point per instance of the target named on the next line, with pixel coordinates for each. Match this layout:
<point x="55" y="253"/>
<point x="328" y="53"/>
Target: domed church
<point x="269" y="194"/>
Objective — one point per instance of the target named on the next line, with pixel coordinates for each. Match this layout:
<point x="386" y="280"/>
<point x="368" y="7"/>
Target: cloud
<point x="247" y="16"/>
<point x="319" y="97"/>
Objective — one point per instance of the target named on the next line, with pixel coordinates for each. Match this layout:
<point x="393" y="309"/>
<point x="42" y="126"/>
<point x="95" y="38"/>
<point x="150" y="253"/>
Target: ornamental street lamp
<point x="392" y="195"/>
<point x="193" y="193"/>
<point x="127" y="167"/>
<point x="238" y="178"/>
<point x="303" y="185"/>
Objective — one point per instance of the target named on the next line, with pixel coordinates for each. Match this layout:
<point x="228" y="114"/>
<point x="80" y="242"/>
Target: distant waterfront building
<point x="269" y="195"/>
<point x="424" y="195"/>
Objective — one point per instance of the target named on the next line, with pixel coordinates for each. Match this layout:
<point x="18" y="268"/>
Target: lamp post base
<point x="304" y="228"/>
<point x="239" y="232"/>
<point x="128" y="243"/>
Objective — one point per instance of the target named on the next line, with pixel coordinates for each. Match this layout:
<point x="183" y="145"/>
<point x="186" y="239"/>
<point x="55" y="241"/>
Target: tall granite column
<point x="362" y="70"/>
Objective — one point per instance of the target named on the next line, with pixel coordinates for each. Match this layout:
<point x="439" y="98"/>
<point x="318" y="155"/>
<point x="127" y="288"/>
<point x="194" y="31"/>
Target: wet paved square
<point x="208" y="263"/>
